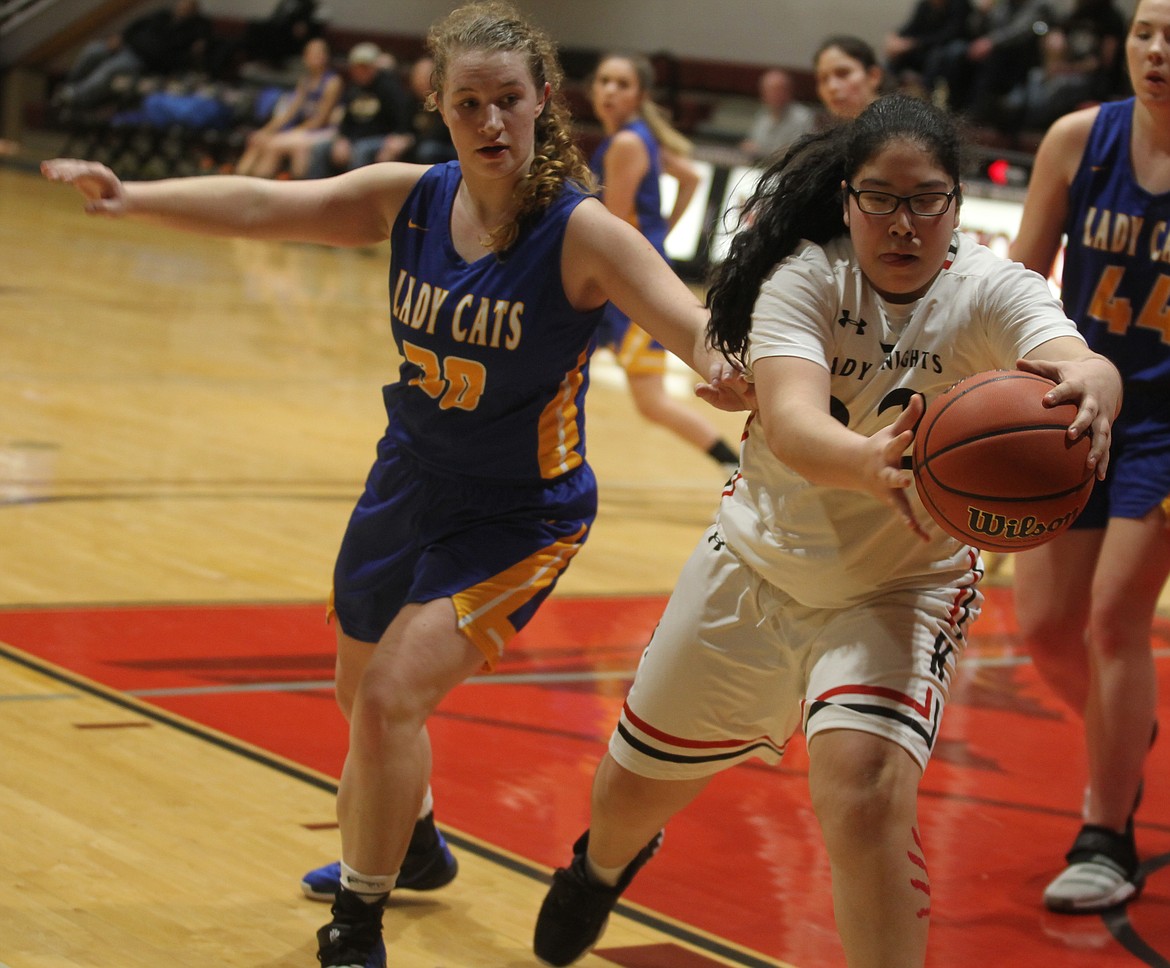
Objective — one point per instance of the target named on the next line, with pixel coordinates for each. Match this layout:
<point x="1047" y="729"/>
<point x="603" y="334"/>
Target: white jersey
<point x="832" y="547"/>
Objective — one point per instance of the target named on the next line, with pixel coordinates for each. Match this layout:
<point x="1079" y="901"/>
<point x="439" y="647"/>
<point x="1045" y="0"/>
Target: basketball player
<point x="639" y="145"/>
<point x="480" y="494"/>
<point x="1086" y="601"/>
<point x="822" y="596"/>
<point x="848" y="75"/>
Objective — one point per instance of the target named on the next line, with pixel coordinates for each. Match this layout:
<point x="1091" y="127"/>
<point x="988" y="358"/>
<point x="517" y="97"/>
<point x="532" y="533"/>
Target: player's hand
<point x="891" y="479"/>
<point x="1094" y="385"/>
<point x="103" y="191"/>
<point x="727" y="388"/>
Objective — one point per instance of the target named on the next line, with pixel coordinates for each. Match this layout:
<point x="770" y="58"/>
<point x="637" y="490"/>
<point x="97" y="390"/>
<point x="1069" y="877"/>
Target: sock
<point x="428" y="804"/>
<point x="370" y="888"/>
<point x="608" y="876"/>
<point x="721" y="453"/>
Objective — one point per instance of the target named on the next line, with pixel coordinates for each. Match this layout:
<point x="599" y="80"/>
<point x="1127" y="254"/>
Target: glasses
<point x="927" y="204"/>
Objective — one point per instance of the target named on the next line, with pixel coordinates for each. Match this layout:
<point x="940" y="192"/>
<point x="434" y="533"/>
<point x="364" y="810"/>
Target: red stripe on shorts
<point x="923" y="708"/>
<point x="694" y="744"/>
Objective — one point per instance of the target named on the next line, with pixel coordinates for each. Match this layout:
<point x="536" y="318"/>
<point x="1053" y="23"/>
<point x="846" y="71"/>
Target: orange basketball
<point x="995" y="468"/>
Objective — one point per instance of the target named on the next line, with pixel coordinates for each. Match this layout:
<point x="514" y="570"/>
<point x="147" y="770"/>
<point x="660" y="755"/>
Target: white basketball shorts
<point x="736" y="666"/>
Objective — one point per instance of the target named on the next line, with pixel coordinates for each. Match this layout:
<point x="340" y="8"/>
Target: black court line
<point x="1119" y="925"/>
<point x="669" y="929"/>
<point x="143" y="497"/>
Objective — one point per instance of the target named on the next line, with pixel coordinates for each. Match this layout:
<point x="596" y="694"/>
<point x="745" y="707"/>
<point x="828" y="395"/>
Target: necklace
<point x="478" y="226"/>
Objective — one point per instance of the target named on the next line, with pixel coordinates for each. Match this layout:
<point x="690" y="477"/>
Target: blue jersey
<point x="494" y="358"/>
<point x="648" y="198"/>
<point x="1116" y="280"/>
<point x="1116" y="287"/>
<point x="637" y="352"/>
<point x="313" y="98"/>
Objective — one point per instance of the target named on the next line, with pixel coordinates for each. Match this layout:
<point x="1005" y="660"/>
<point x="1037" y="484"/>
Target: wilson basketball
<point x="995" y="468"/>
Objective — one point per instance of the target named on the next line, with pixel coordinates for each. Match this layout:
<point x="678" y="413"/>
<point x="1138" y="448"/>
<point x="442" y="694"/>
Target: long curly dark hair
<point x="799" y="197"/>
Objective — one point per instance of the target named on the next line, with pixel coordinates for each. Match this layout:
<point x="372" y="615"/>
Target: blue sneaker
<point x="428" y="865"/>
<point x="353" y="939"/>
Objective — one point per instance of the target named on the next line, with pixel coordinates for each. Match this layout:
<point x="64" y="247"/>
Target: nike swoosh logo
<point x="412" y="224"/>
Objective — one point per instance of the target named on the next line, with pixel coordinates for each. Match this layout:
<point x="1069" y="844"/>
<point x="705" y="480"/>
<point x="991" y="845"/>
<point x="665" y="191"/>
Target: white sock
<point x="609" y="876"/>
<point x="428" y="803"/>
<point x="369" y="888"/>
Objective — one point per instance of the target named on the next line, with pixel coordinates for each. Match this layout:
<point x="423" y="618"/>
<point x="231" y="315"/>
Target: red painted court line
<point x="655" y="956"/>
<point x="745" y="861"/>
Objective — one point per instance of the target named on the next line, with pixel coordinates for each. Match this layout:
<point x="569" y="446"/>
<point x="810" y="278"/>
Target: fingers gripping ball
<point x="995" y="468"/>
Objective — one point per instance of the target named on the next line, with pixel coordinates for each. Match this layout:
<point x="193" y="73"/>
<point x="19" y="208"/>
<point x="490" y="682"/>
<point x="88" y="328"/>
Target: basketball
<point x="995" y="468"/>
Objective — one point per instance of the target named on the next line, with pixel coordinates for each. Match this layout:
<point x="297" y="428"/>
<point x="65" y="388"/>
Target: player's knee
<point x="1047" y="632"/>
<point x="1118" y="633"/>
<point x="384" y="717"/>
<point x="653" y="408"/>
<point x="860" y="789"/>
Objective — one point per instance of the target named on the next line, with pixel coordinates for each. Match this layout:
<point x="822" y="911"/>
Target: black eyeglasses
<point x="926" y="204"/>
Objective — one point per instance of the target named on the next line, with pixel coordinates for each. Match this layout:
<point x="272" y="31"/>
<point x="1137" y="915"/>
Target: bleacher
<point x="712" y="101"/>
<point x="709" y="100"/>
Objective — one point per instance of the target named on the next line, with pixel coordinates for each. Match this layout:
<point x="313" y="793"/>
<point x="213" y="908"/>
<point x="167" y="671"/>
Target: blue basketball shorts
<point x="496" y="549"/>
<point x="636" y="350"/>
<point x="1138" y="478"/>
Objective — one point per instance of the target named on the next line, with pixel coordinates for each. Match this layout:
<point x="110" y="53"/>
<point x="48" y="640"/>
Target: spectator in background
<point x="1005" y="46"/>
<point x="849" y="77"/>
<point x="432" y="140"/>
<point x="932" y="25"/>
<point x="1082" y="65"/>
<point x="163" y="42"/>
<point x="376" y="123"/>
<point x="299" y="123"/>
<point x="779" y="121"/>
<point x="283" y="33"/>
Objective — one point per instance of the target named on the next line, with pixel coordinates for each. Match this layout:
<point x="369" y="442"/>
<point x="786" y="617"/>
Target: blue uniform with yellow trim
<point x="480" y="491"/>
<point x="636" y="350"/>
<point x="1116" y="286"/>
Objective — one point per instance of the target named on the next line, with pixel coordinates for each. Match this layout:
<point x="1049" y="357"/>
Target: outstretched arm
<point x="606" y="258"/>
<point x="802" y="433"/>
<point x="354" y="209"/>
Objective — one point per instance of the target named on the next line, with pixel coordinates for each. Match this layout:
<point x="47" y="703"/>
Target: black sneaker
<point x="576" y="909"/>
<point x="428" y="865"/>
<point x="1102" y="872"/>
<point x="353" y="939"/>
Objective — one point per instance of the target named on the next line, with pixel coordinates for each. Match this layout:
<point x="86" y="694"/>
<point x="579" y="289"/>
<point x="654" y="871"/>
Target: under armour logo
<point x="716" y="540"/>
<point x="860" y="324"/>
<point x="334" y="934"/>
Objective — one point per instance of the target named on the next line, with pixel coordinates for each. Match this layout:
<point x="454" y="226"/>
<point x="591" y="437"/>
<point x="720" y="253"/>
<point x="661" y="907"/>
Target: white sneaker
<point x="1103" y="872"/>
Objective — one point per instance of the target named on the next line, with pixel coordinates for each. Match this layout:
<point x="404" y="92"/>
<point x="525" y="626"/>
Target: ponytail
<point x="664" y="132"/>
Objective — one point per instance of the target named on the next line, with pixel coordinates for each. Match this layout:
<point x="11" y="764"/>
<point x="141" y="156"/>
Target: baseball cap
<point x="365" y="53"/>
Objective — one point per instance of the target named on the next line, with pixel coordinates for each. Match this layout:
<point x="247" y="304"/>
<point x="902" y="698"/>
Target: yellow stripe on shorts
<point x="482" y="610"/>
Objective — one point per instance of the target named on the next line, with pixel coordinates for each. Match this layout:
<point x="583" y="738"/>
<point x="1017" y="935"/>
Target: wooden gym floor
<point x="184" y="424"/>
